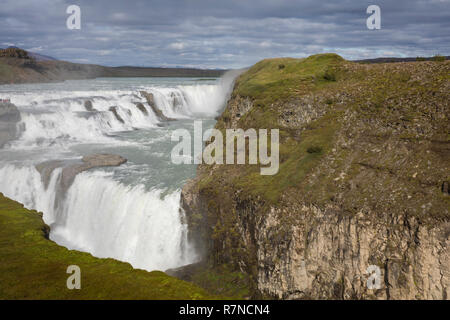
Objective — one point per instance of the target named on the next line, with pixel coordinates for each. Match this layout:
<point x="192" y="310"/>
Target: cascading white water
<point x="109" y="219"/>
<point x="106" y="218"/>
<point x="131" y="213"/>
<point x="24" y="184"/>
<point x="60" y="117"/>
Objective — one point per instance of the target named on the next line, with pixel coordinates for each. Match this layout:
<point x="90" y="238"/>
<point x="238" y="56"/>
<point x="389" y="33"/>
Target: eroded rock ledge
<point x="71" y="168"/>
<point x="151" y="102"/>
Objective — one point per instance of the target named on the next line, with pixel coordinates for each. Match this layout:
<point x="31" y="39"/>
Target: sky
<point x="223" y="34"/>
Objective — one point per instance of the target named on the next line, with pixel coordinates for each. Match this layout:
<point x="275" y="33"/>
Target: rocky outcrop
<point x="9" y="117"/>
<point x="113" y="109"/>
<point x="71" y="168"/>
<point x="360" y="185"/>
<point x="88" y="106"/>
<point x="14" y="53"/>
<point x="151" y="102"/>
<point x="141" y="108"/>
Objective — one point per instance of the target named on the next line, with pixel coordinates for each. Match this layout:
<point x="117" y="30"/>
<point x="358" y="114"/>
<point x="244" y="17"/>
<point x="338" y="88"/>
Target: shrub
<point x="314" y="149"/>
<point x="438" y="57"/>
<point x="330" y="75"/>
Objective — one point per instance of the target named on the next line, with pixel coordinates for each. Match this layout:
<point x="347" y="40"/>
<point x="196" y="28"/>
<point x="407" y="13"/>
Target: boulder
<point x="89" y="107"/>
<point x="116" y="114"/>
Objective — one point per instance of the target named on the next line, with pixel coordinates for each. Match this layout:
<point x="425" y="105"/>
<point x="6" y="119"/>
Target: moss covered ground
<point x="269" y="84"/>
<point x="33" y="267"/>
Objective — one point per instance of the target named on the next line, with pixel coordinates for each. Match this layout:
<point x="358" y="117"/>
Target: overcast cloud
<point x="223" y="34"/>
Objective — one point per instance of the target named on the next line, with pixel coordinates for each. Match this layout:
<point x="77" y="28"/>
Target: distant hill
<point x="37" y="56"/>
<point x="19" y="66"/>
<point x="40" y="57"/>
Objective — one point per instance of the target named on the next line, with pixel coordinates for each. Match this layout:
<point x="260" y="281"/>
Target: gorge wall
<point x="363" y="180"/>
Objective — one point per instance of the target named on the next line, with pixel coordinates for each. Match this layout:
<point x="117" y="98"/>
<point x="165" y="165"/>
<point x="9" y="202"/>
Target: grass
<point x="6" y="72"/>
<point x="266" y="82"/>
<point x="269" y="86"/>
<point x="297" y="158"/>
<point x="438" y="58"/>
<point x="33" y="267"/>
<point x="364" y="139"/>
<point x="221" y="280"/>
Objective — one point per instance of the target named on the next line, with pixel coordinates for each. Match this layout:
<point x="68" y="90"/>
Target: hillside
<point x="33" y="267"/>
<point x="17" y="66"/>
<point x="363" y="180"/>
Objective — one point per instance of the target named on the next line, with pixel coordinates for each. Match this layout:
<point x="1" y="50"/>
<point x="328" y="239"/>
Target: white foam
<point x="106" y="218"/>
<point x="60" y="118"/>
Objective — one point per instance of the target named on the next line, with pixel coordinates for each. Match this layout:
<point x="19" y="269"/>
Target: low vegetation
<point x="363" y="139"/>
<point x="33" y="267"/>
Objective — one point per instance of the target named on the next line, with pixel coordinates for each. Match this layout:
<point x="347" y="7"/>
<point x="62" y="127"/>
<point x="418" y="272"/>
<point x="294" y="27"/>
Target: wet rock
<point x="71" y="168"/>
<point x="46" y="169"/>
<point x="141" y="107"/>
<point x="88" y="162"/>
<point x="151" y="102"/>
<point x="9" y="117"/>
<point x="116" y="114"/>
<point x="176" y="100"/>
<point x="89" y="107"/>
<point x="9" y="112"/>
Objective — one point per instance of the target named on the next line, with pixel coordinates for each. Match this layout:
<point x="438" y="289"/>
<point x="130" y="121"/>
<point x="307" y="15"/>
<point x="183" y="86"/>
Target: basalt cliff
<point x="363" y="181"/>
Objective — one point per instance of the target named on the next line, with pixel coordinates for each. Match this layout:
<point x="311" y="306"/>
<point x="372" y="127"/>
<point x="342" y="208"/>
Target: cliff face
<point x="363" y="180"/>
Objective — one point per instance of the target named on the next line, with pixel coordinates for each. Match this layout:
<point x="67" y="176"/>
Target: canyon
<point x="364" y="161"/>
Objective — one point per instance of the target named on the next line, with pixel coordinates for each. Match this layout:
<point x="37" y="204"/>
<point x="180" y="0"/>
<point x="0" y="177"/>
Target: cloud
<point x="227" y="34"/>
<point x="177" y="46"/>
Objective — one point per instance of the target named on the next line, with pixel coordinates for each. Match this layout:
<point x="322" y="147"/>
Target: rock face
<point x="113" y="109"/>
<point x="89" y="107"/>
<point x="9" y="117"/>
<point x="141" y="108"/>
<point x="151" y="102"/>
<point x="72" y="168"/>
<point x="363" y="158"/>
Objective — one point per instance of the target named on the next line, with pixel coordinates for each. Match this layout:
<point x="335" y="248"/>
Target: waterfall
<point x="102" y="213"/>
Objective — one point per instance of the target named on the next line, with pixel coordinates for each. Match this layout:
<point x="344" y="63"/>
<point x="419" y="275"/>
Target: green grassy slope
<point x="32" y="267"/>
<point x="371" y="138"/>
<point x="397" y="101"/>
